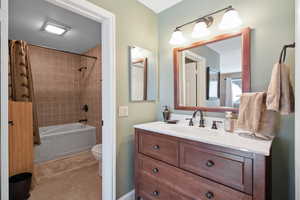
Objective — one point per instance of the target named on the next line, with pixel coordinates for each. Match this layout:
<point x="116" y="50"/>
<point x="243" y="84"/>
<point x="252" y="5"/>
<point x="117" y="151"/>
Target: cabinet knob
<point x="210" y="163"/>
<point x="156" y="147"/>
<point x="155" y="170"/>
<point x="11" y="123"/>
<point x="209" y="195"/>
<point x="155" y="193"/>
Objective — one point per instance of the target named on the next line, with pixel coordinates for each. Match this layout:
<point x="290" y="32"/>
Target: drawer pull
<point x="209" y="195"/>
<point x="156" y="147"/>
<point x="155" y="193"/>
<point x="210" y="163"/>
<point x="155" y="170"/>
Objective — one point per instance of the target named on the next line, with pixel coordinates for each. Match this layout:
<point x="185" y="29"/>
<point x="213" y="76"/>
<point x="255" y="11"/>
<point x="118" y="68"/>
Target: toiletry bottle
<point x="166" y="114"/>
<point x="229" y="122"/>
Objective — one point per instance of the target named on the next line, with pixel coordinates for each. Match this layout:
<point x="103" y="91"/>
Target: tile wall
<point x="90" y="91"/>
<point x="61" y="90"/>
<point x="56" y="86"/>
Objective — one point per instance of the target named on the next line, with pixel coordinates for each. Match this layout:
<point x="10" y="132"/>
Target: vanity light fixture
<point x="55" y="28"/>
<point x="177" y="37"/>
<point x="231" y="19"/>
<point x="201" y="28"/>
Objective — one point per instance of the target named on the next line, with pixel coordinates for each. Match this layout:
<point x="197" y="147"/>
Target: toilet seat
<point x="97" y="151"/>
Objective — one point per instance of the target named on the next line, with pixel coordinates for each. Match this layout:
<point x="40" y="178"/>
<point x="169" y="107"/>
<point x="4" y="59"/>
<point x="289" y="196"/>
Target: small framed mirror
<point x="212" y="74"/>
<point x="142" y="70"/>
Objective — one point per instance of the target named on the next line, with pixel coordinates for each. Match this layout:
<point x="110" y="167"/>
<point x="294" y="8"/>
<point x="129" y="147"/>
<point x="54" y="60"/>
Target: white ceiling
<point x="159" y="5"/>
<point x="26" y="18"/>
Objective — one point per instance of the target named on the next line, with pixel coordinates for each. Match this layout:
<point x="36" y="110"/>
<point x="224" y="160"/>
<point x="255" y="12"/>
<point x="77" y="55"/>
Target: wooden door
<point x="20" y="137"/>
<point x="191" y="84"/>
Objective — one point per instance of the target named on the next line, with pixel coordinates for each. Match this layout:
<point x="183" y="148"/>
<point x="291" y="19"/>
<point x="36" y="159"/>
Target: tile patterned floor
<point x="75" y="177"/>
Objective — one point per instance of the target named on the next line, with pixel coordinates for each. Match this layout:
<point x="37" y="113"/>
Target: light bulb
<point x="231" y="19"/>
<point x="200" y="30"/>
<point x="177" y="38"/>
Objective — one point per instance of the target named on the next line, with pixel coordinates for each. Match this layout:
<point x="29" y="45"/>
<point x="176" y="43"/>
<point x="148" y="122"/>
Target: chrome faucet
<point x="201" y="122"/>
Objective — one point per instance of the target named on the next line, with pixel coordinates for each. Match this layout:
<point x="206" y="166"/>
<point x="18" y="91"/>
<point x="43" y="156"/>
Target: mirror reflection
<point x="142" y="68"/>
<point x="211" y="75"/>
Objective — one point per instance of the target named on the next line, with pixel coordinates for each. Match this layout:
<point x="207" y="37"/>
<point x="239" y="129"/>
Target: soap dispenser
<point x="166" y="114"/>
<point x="229" y="122"/>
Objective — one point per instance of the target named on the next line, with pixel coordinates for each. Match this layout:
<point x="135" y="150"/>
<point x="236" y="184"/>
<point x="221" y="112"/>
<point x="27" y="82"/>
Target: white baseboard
<point x="128" y="196"/>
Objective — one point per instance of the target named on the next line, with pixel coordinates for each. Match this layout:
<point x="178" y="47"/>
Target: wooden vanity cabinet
<point x="168" y="167"/>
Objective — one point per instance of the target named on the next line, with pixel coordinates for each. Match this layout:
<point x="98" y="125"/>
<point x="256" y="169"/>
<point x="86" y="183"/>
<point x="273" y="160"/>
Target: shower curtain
<point x="228" y="97"/>
<point x="20" y="79"/>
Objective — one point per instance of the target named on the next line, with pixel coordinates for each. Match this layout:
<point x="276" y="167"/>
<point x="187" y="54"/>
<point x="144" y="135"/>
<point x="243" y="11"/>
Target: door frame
<point x="4" y="99"/>
<point x="297" y="111"/>
<point x="193" y="56"/>
<point x="108" y="43"/>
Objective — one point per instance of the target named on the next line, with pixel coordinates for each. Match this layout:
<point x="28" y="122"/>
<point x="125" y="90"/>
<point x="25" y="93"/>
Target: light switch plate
<point x="123" y="111"/>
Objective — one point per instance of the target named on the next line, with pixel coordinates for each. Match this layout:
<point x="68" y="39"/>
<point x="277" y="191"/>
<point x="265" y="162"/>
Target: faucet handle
<point x="191" y="123"/>
<point x="214" y="124"/>
<point x="202" y="123"/>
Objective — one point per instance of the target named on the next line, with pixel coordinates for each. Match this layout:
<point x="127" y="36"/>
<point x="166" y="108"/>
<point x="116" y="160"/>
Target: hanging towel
<point x="20" y="79"/>
<point x="250" y="111"/>
<point x="254" y="117"/>
<point x="280" y="95"/>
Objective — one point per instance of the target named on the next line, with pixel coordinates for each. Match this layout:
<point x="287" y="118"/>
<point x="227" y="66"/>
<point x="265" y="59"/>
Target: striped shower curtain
<point x="20" y="79"/>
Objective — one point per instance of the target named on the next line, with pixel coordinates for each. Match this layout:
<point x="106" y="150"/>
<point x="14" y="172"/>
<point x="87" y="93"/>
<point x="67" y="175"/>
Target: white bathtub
<point x="62" y="140"/>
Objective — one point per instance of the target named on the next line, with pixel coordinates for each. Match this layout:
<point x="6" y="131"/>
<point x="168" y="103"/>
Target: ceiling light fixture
<point x="231" y="19"/>
<point x="55" y="27"/>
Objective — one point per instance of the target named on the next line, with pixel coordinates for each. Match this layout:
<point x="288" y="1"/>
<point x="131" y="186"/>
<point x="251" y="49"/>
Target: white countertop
<point x="214" y="137"/>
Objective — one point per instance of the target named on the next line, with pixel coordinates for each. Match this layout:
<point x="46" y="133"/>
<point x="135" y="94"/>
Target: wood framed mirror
<point x="212" y="74"/>
<point x="142" y="73"/>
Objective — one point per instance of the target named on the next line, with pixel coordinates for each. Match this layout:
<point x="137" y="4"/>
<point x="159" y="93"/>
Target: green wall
<point x="136" y="25"/>
<point x="273" y="24"/>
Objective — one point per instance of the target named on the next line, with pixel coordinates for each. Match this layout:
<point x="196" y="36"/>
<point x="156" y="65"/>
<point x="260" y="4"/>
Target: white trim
<point x="107" y="19"/>
<point x="190" y="55"/>
<point x="4" y="6"/>
<point x="4" y="99"/>
<point x="128" y="196"/>
<point x="193" y="56"/>
<point x="297" y="94"/>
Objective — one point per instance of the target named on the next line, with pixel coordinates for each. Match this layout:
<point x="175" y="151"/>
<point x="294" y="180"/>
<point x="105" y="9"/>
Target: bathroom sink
<point x="192" y="129"/>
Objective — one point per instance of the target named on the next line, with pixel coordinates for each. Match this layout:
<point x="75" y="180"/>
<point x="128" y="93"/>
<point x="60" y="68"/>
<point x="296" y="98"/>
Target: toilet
<point x="97" y="151"/>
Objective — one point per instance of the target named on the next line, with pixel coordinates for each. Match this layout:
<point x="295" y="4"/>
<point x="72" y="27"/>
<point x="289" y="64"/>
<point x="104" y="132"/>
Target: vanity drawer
<point x="231" y="170"/>
<point x="158" y="147"/>
<point x="149" y="189"/>
<point x="191" y="185"/>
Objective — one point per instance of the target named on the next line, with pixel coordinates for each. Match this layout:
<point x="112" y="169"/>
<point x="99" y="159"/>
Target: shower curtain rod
<point x="93" y="57"/>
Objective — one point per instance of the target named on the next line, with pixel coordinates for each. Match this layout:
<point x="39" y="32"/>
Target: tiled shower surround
<point x="91" y="84"/>
<point x="61" y="90"/>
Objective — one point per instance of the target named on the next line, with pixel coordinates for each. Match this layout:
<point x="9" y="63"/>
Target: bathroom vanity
<point x="182" y="162"/>
<point x="178" y="162"/>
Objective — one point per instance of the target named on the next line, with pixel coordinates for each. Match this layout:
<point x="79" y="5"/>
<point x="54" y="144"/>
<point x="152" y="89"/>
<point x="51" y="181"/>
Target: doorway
<point x="107" y="20"/>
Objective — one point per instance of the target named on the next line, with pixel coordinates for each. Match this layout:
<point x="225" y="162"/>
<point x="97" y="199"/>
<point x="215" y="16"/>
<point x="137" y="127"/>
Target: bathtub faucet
<point x="83" y="120"/>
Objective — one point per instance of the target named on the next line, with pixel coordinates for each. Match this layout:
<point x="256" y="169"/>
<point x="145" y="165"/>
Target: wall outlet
<point x="123" y="111"/>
